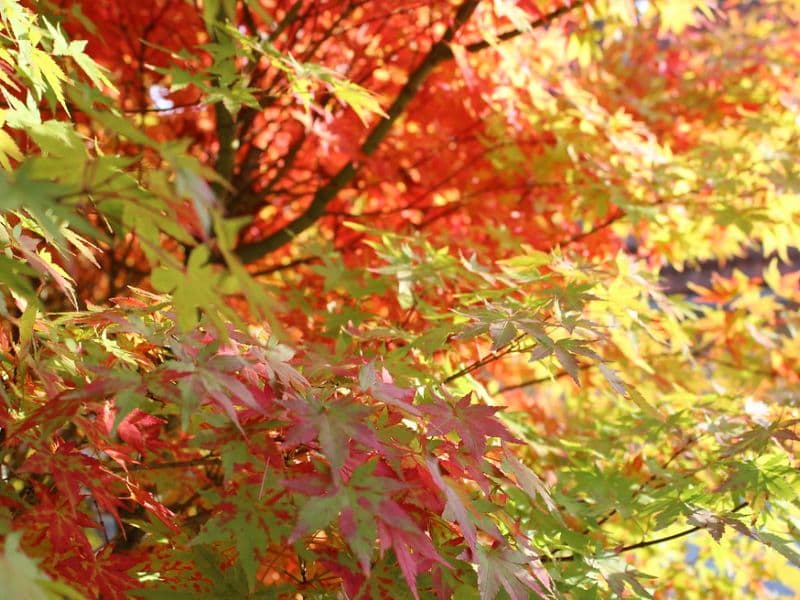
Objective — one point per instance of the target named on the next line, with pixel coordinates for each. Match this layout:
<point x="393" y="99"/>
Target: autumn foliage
<point x="399" y="299"/>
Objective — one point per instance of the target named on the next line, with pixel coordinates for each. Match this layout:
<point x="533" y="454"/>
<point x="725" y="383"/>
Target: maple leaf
<point x="473" y="423"/>
<point x="64" y="527"/>
<point x="137" y="428"/>
<point x="505" y="567"/>
<point x="75" y="475"/>
<point x="197" y="287"/>
<point x="414" y="551"/>
<point x="529" y="481"/>
<point x="334" y="424"/>
<point x="247" y="527"/>
<point x="147" y="500"/>
<point x="708" y="521"/>
<point x="383" y="389"/>
<point x="455" y="504"/>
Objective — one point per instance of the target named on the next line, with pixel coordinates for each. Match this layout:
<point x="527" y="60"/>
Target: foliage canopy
<point x="394" y="299"/>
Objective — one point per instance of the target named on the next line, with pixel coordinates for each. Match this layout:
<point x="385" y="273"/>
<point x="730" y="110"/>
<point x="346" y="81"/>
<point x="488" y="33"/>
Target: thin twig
<point x="643" y="543"/>
<point x="179" y="464"/>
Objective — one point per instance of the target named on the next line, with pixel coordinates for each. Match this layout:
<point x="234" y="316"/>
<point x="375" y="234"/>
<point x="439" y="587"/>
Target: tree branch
<point x="537" y="24"/>
<point x="225" y="124"/>
<point x="439" y="53"/>
<point x="289" y="18"/>
<point x="179" y="464"/>
<point x="644" y="543"/>
<point x="538" y="380"/>
<point x="674" y="536"/>
<point x="489" y="358"/>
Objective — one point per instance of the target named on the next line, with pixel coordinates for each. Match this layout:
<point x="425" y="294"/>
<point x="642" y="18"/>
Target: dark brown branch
<point x="674" y="536"/>
<point x="537" y="24"/>
<point x="225" y="127"/>
<point x="180" y="464"/>
<point x="440" y="52"/>
<point x="291" y="264"/>
<point x="644" y="543"/>
<point x="288" y="19"/>
<point x="490" y="358"/>
<point x="697" y="353"/>
<point x="226" y="135"/>
<point x="198" y="104"/>
<point x="608" y="222"/>
<point x="538" y="380"/>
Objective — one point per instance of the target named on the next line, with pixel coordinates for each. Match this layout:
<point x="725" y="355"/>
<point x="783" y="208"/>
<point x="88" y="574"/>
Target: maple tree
<point x="395" y="299"/>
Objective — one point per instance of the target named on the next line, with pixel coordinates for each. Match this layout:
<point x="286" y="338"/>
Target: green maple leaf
<point x="198" y="287"/>
<point x="249" y="528"/>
